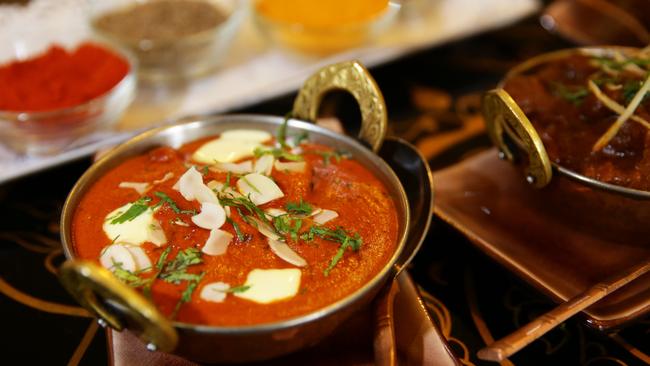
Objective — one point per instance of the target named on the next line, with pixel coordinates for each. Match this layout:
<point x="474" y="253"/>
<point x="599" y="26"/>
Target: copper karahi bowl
<point x="610" y="209"/>
<point x="120" y="307"/>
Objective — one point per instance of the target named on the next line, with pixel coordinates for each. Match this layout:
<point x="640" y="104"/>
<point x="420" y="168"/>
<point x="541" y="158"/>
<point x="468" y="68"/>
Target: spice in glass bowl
<point x="323" y="27"/>
<point x="160" y="20"/>
<point x="172" y="39"/>
<point x="60" y="78"/>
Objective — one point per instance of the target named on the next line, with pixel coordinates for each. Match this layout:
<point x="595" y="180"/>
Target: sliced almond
<point x="142" y="261"/>
<point x="117" y="254"/>
<point x="192" y="187"/>
<point x="140" y="187"/>
<point x="212" y="216"/>
<point x="265" y="229"/>
<point x="217" y="242"/>
<point x="244" y="167"/>
<point x="275" y="212"/>
<point x="215" y="291"/>
<point x="165" y="178"/>
<point x="293" y="166"/>
<point x="261" y="189"/>
<point x="284" y="251"/>
<point x="325" y="216"/>
<point x="264" y="165"/>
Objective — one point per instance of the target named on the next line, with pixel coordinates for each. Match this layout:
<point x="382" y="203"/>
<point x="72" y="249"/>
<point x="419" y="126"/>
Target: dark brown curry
<point x="592" y="113"/>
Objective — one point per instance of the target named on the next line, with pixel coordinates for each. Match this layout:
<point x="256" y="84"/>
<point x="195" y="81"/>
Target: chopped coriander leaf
<point x="277" y="153"/>
<point x="235" y="225"/>
<point x="297" y="224"/>
<point x="250" y="184"/>
<point x="175" y="270"/>
<point x="163" y="258"/>
<point x="228" y="175"/>
<point x="164" y="198"/>
<point x="573" y="94"/>
<point x="186" y="296"/>
<point x="618" y="65"/>
<point x="299" y="138"/>
<point x="282" y="224"/>
<point x="300" y="208"/>
<point x="244" y="203"/>
<point x="282" y="131"/>
<point x="630" y="89"/>
<point x="130" y="278"/>
<point x="353" y="243"/>
<point x="328" y="155"/>
<point x="205" y="170"/>
<point x="338" y="235"/>
<point x="238" y="289"/>
<point x="134" y="211"/>
<point x="335" y="260"/>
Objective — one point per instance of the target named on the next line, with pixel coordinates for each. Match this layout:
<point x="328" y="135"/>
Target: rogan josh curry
<point x="592" y="112"/>
<point x="239" y="229"/>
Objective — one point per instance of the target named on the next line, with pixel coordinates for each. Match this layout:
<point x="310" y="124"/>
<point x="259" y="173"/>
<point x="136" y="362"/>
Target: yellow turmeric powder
<point x="321" y="13"/>
<point x="321" y="26"/>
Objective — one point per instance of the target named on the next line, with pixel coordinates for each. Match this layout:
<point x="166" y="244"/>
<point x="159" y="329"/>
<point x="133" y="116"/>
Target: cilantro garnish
<point x="631" y="88"/>
<point x="240" y="235"/>
<point x="134" y="211"/>
<point x="250" y="184"/>
<point x="300" y="208"/>
<point x="173" y="271"/>
<point x="573" y="94"/>
<point x="246" y="204"/>
<point x="299" y="138"/>
<point x="238" y="289"/>
<point x="338" y="235"/>
<point x="228" y="175"/>
<point x="282" y="131"/>
<point x="164" y="198"/>
<point x="277" y="153"/>
<point x="186" y="296"/>
<point x="328" y="155"/>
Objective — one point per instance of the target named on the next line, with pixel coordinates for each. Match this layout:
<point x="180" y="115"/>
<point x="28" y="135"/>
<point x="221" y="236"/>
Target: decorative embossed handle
<point x="354" y="78"/>
<point x="116" y="304"/>
<point x="503" y="116"/>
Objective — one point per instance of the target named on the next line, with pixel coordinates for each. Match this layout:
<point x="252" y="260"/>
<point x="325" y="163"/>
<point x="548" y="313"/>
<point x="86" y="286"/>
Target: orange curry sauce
<point x="362" y="202"/>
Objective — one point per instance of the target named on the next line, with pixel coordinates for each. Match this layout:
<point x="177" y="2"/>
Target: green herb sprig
<point x="136" y="208"/>
<point x="299" y="208"/>
<point x="164" y="198"/>
<point x="573" y="94"/>
<point x="338" y="235"/>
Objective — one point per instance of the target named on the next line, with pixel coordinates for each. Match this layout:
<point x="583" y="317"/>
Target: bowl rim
<point x="92" y="173"/>
<point x="564" y="171"/>
<point x="129" y="78"/>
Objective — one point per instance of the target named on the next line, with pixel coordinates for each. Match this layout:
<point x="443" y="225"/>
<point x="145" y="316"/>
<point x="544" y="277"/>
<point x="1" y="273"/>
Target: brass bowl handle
<point x="117" y="304"/>
<point x="354" y="78"/>
<point x="504" y="117"/>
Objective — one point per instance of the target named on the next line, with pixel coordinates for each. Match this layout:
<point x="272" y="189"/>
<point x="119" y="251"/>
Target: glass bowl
<point x="52" y="131"/>
<point x="323" y="40"/>
<point x="181" y="58"/>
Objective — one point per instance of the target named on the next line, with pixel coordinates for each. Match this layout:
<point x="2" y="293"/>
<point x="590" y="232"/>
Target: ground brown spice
<point x="161" y="20"/>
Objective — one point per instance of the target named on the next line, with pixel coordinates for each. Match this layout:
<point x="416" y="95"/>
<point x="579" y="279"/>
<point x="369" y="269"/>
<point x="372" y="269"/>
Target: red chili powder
<point x="60" y="78"/>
